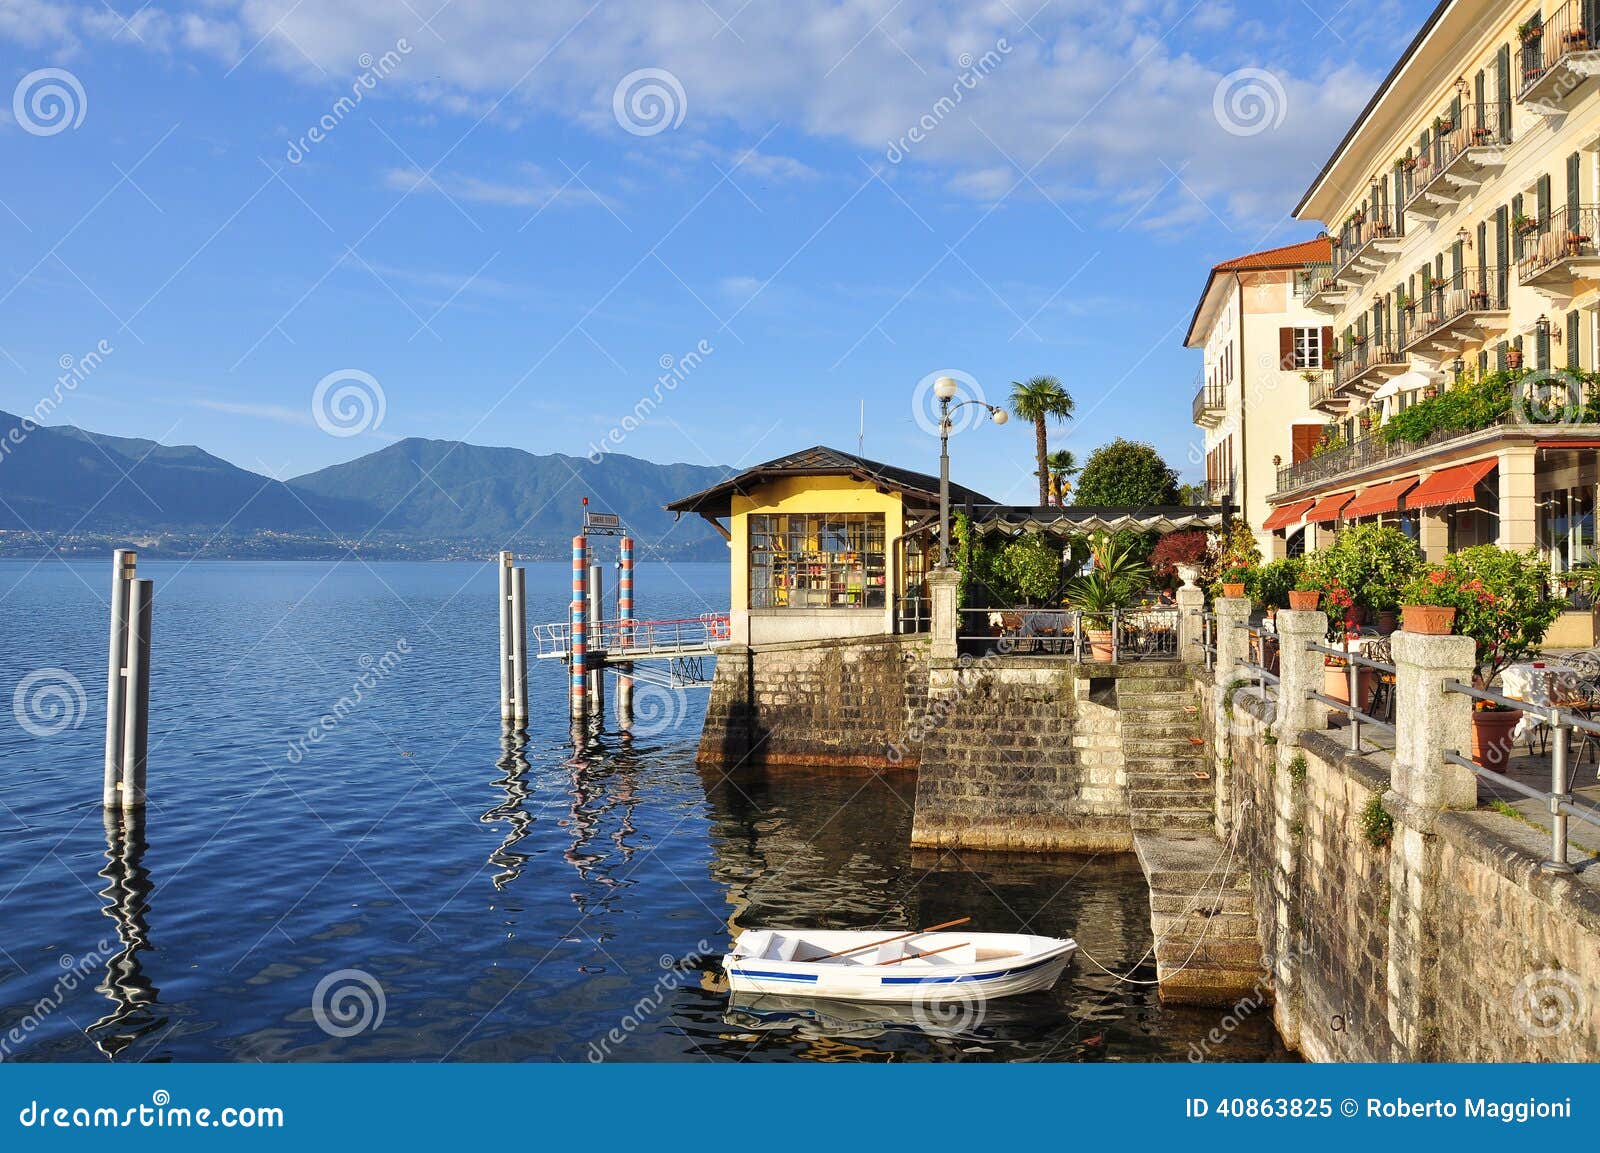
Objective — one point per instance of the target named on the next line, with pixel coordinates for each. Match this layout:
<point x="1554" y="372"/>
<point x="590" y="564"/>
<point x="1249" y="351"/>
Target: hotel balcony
<point x="1324" y="391"/>
<point x="1361" y="370"/>
<point x="1565" y="253"/>
<point x="1553" y="64"/>
<point x="1316" y="288"/>
<point x="1209" y="404"/>
<point x="1456" y="161"/>
<point x="1458" y="314"/>
<point x="1365" y="246"/>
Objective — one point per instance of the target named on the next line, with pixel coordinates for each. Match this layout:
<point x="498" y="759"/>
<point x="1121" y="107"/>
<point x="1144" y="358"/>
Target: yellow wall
<point x="812" y="494"/>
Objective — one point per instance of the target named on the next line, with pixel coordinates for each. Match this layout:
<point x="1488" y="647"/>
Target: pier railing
<point x="661" y="637"/>
<point x="1353" y="661"/>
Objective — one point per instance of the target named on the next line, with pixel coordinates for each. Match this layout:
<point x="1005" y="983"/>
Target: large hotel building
<point x="1462" y="212"/>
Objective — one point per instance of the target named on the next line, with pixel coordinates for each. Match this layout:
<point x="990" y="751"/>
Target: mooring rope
<point x="1128" y="978"/>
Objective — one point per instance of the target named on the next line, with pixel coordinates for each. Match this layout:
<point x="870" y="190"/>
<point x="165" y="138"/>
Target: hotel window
<point x="817" y="560"/>
<point x="1300" y="348"/>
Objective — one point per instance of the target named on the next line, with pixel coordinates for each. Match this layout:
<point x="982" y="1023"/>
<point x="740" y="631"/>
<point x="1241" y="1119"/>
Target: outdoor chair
<point x="1381" y="704"/>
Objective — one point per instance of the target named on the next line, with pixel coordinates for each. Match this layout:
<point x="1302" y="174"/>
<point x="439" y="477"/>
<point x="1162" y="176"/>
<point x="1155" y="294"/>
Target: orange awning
<point x="1451" y="485"/>
<point x="1378" y="498"/>
<point x="1328" y="507"/>
<point x="1287" y="515"/>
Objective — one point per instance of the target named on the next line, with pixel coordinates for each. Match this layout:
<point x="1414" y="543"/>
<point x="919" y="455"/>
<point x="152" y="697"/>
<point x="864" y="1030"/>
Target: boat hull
<point x="914" y="981"/>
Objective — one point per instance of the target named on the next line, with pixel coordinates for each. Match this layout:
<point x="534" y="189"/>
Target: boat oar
<point x="892" y="940"/>
<point x="927" y="953"/>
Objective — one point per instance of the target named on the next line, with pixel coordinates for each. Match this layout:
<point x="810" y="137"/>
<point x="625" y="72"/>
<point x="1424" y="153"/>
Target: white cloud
<point x="534" y="190"/>
<point x="1088" y="97"/>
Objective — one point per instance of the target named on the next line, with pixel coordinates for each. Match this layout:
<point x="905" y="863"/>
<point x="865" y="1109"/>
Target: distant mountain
<point x="451" y="496"/>
<point x="449" y="489"/>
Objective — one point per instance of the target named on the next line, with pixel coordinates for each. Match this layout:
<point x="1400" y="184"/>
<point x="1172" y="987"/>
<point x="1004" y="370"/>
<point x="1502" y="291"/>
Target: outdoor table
<point x="1532" y="682"/>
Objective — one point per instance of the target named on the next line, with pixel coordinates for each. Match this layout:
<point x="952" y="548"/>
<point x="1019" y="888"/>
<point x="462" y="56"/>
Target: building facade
<point x="1463" y="208"/>
<point x="1266" y="356"/>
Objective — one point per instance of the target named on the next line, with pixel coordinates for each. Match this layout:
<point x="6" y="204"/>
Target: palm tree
<point x="1063" y="467"/>
<point x="1041" y="399"/>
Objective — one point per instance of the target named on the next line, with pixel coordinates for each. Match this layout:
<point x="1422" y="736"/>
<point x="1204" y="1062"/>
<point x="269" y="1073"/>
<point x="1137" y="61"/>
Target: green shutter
<point x="1500" y="356"/>
<point x="1574" y="358"/>
<point x="1516" y="234"/>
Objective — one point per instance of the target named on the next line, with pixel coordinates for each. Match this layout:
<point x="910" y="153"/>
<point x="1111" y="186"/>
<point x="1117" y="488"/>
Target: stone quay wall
<point x="845" y="703"/>
<point x="1399" y="922"/>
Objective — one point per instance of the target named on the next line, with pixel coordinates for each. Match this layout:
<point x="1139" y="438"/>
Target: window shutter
<point x="1285" y="348"/>
<point x="1502" y="84"/>
<point x="1304" y="442"/>
<point x="1483" y="364"/>
<point x="1574" y="191"/>
<point x="1542" y="199"/>
<point x="1574" y="357"/>
<point x="1500" y="356"/>
<point x="1516" y="233"/>
<point x="1541" y="348"/>
<point x="1327" y="343"/>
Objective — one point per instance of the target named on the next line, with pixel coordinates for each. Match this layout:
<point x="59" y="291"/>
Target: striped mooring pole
<point x="625" y="631"/>
<point x="579" y="651"/>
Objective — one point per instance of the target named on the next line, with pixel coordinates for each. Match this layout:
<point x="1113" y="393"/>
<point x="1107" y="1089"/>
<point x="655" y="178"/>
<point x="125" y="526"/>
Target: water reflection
<point x="513" y="781"/>
<point x="134" y="999"/>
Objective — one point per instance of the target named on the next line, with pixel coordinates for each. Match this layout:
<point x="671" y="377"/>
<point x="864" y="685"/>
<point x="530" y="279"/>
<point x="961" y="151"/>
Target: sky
<point x="294" y="231"/>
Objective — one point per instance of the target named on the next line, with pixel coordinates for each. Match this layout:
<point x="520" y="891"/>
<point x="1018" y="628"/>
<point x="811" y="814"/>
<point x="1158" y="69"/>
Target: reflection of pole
<point x="123" y="564"/>
<point x="507" y="693"/>
<point x="625" y="633"/>
<point x="127" y="894"/>
<point x="519" y="646"/>
<point x="579" y="652"/>
<point x="597" y="615"/>
<point x="136" y="702"/>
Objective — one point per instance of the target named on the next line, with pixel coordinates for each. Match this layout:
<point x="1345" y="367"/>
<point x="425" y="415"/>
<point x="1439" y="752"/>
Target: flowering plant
<point x="1500" y="602"/>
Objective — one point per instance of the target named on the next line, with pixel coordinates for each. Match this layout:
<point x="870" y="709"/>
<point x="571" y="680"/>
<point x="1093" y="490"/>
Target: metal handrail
<point x="1559" y="798"/>
<point x="1357" y="717"/>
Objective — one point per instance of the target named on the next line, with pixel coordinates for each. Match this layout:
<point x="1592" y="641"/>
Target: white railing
<point x="648" y="637"/>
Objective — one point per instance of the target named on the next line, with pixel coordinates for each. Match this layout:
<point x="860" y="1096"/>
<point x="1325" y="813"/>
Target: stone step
<point x="1165" y="775"/>
<point x="1135" y="715"/>
<point x="1196" y="821"/>
<point x="1164" y="699"/>
<point x="1211" y="951"/>
<point x="1159" y="730"/>
<point x="1134" y="691"/>
<point x="1221" y="927"/>
<point x="1186" y="861"/>
<point x="1229" y="902"/>
<point x="1167" y="800"/>
<point x="1135" y="748"/>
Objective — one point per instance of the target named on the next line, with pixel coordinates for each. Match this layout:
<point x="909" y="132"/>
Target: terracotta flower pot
<point x="1304" y="601"/>
<point x="1492" y="741"/>
<point x="1336" y="684"/>
<point x="1429" y="620"/>
<point x="1233" y="589"/>
<point x="1099" y="644"/>
<point x="1386" y="621"/>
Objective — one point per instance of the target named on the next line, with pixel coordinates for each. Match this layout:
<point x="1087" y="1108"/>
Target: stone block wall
<point x="830" y="703"/>
<point x="1509" y="955"/>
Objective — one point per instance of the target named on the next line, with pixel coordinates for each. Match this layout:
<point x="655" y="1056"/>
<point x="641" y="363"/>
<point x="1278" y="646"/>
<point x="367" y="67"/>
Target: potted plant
<point x="1524" y="225"/>
<point x="1529" y="30"/>
<point x="1373" y="562"/>
<point x="1275" y="582"/>
<point x="1443" y="124"/>
<point x="1427" y="606"/>
<point x="1234" y="579"/>
<point x="1306" y="593"/>
<point x="1513" y="357"/>
<point x="1500" y="601"/>
<point x="1117" y="580"/>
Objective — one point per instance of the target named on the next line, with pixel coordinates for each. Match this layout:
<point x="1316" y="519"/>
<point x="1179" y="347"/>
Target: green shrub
<point x="1376" y="823"/>
<point x="1297" y="768"/>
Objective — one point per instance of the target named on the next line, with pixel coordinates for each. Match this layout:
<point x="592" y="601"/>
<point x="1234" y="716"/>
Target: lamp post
<point x="945" y="389"/>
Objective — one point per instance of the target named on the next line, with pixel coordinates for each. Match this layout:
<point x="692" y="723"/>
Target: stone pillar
<point x="1429" y="721"/>
<point x="944" y="587"/>
<point x="1191" y="600"/>
<point x="1233" y="645"/>
<point x="1300" y="672"/>
<point x="1433" y="534"/>
<point x="1518" y="526"/>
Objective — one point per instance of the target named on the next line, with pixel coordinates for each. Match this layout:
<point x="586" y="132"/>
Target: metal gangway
<point x="626" y="640"/>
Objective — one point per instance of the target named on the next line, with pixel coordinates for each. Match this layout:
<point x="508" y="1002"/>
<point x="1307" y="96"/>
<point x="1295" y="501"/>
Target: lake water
<point x="409" y="887"/>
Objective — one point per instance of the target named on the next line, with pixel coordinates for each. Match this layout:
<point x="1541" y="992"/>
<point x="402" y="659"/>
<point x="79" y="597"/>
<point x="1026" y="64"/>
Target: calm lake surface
<point x="493" y="904"/>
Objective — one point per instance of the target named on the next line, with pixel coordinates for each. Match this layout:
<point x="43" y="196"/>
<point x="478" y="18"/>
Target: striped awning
<point x="1287" y="515"/>
<point x="1329" y="507"/>
<point x="1378" y="498"/>
<point x="1451" y="485"/>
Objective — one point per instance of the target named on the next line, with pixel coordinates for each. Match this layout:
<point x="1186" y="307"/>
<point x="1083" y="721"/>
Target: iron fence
<point x="1119" y="635"/>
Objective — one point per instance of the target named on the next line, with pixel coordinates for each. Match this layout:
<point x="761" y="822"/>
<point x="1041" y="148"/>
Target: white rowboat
<point x="913" y="967"/>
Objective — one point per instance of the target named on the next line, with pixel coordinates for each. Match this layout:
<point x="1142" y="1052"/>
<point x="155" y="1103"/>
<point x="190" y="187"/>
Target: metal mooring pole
<point x="625" y="631"/>
<point x="136" y="719"/>
<point x="519" y="647"/>
<point x="508" y="710"/>
<point x="597" y="642"/>
<point x="124" y="563"/>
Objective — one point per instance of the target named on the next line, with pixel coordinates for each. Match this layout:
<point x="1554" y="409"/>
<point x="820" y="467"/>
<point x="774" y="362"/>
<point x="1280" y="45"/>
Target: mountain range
<point x="424" y="497"/>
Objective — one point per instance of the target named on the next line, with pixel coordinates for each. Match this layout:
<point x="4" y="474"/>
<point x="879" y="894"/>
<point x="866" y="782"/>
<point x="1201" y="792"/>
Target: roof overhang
<point x="1077" y="520"/>
<point x="1362" y="152"/>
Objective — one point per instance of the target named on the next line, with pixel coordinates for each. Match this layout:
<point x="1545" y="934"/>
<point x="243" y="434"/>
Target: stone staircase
<point x="1204" y="926"/>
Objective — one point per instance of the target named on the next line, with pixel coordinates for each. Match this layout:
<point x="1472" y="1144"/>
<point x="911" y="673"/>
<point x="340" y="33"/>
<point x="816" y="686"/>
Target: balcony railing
<point x="1357" y="237"/>
<point x="1363" y="360"/>
<point x="1460" y="143"/>
<point x="1455" y="303"/>
<point x="1208" y="401"/>
<point x="1570" y="237"/>
<point x="1316" y="287"/>
<point x="1542" y="59"/>
<point x="1322" y="383"/>
<point x="1538" y="400"/>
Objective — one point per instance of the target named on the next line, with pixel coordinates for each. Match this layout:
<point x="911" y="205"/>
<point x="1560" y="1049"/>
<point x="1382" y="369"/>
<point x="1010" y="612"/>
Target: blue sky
<point x="484" y="237"/>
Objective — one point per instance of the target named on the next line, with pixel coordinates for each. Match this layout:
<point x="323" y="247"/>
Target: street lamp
<point x="945" y="388"/>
